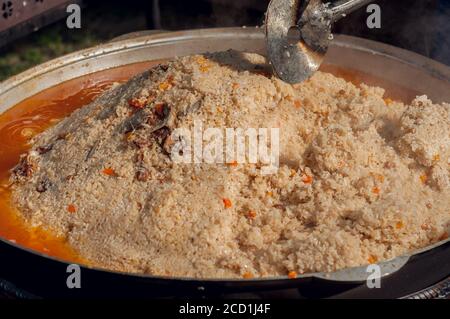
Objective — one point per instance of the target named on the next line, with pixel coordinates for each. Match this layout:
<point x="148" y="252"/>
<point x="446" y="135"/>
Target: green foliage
<point x="101" y="21"/>
<point x="48" y="44"/>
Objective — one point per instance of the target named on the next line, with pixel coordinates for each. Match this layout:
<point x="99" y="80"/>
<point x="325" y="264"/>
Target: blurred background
<point x="34" y="31"/>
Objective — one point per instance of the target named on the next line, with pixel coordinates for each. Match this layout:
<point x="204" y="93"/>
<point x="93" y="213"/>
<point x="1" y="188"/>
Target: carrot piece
<point x="292" y="275"/>
<point x="226" y="203"/>
<point x="372" y="259"/>
<point x="376" y="190"/>
<point x="307" y="179"/>
<point x="163" y="86"/>
<point x="388" y="101"/>
<point x="109" y="171"/>
<point x="247" y="275"/>
<point x="399" y="225"/>
<point x="233" y="164"/>
<point x="71" y="208"/>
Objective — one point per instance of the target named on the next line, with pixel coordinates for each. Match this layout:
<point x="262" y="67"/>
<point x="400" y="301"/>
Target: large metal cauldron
<point x="43" y="276"/>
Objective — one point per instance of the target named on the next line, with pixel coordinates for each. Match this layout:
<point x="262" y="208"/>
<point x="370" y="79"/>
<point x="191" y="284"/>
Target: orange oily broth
<point x="30" y="117"/>
<point x="35" y="114"/>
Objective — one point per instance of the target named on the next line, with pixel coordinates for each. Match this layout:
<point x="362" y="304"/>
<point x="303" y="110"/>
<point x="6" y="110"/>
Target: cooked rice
<point x="360" y="180"/>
